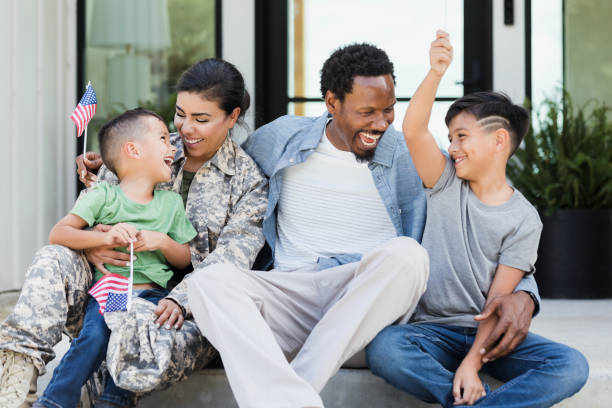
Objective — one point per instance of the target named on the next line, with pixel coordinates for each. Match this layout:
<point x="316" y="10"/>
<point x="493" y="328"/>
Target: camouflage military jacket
<point x="226" y="203"/>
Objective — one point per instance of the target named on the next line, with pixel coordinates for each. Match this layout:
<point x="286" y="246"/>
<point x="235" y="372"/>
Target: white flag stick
<point x="445" y="16"/>
<point x="129" y="302"/>
<point x="85" y="140"/>
<point x="85" y="144"/>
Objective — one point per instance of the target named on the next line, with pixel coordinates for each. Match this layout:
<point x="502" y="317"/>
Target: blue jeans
<point x="83" y="358"/>
<point x="421" y="359"/>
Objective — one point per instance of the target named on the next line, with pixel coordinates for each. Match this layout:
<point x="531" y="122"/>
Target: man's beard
<point x="366" y="158"/>
<point x="368" y="154"/>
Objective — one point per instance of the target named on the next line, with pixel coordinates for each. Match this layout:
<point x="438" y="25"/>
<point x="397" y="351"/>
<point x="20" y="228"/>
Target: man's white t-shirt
<point x="329" y="205"/>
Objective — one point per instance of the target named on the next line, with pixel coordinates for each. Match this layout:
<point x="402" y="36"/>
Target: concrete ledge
<point x="583" y="324"/>
<point x="348" y="388"/>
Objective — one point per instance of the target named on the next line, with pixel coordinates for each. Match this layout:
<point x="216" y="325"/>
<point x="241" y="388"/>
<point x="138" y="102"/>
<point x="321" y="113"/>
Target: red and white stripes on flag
<point x="110" y="283"/>
<point x="85" y="110"/>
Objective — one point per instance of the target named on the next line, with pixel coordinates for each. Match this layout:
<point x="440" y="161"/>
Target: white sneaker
<point x="18" y="378"/>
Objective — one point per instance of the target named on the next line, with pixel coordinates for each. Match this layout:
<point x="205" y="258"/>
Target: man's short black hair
<point x="499" y="111"/>
<point x="117" y="130"/>
<point x="350" y="61"/>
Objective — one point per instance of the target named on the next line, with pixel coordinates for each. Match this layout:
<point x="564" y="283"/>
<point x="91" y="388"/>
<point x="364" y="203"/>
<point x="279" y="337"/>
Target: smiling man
<point x="346" y="209"/>
<point x="345" y="214"/>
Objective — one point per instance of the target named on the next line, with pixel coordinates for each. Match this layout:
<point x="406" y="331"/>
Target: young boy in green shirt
<point x="135" y="146"/>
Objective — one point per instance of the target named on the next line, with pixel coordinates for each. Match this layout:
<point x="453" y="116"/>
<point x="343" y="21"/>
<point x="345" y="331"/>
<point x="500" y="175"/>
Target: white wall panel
<point x="37" y="94"/>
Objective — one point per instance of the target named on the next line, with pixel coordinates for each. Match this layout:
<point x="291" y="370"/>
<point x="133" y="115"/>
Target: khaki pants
<point x="256" y="320"/>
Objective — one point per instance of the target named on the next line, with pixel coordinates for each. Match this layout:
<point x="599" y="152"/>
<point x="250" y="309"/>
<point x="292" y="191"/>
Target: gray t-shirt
<point x="466" y="240"/>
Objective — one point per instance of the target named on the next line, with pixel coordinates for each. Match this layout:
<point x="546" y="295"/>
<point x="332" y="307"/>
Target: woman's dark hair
<point x="499" y="110"/>
<point x="350" y="61"/>
<point x="216" y="80"/>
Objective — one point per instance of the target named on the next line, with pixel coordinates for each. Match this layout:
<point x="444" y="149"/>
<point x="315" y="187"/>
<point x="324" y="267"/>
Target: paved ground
<point x="583" y="324"/>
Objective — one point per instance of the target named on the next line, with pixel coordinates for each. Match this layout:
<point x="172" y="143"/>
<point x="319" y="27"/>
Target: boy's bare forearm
<point x="505" y="281"/>
<point x="474" y="356"/>
<point x="75" y="238"/>
<point x="178" y="255"/>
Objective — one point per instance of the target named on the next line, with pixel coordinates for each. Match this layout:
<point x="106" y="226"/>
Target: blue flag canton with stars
<point x="89" y="97"/>
<point x="116" y="302"/>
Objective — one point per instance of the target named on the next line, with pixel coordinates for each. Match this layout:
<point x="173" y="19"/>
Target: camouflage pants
<point x="140" y="356"/>
<point x="52" y="300"/>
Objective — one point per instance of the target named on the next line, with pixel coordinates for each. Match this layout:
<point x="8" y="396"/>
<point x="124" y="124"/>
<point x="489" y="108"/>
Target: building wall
<point x="37" y="96"/>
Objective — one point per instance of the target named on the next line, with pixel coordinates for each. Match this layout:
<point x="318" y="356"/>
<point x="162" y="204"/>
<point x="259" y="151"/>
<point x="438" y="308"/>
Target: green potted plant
<point x="564" y="168"/>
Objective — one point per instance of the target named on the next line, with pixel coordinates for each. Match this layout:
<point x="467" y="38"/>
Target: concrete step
<point x="582" y="324"/>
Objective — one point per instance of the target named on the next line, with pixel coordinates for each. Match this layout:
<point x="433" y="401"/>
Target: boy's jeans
<point x="421" y="359"/>
<point x="84" y="356"/>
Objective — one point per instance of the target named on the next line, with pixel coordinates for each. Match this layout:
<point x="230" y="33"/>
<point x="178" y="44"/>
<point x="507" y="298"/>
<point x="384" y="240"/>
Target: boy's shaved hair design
<point x="493" y="110"/>
<point x="117" y="130"/>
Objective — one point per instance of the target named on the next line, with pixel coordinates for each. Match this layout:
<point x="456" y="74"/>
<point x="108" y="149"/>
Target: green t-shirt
<point x="107" y="204"/>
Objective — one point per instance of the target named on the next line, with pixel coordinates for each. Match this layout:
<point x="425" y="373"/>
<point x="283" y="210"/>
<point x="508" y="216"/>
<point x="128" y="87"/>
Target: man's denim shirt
<point x="290" y="140"/>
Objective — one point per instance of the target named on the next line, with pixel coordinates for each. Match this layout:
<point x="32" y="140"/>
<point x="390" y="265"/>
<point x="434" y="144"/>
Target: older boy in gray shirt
<point x="482" y="237"/>
<point x="466" y="240"/>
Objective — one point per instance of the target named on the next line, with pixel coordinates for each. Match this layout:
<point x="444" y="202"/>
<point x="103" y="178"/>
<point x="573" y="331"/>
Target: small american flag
<point x="111" y="292"/>
<point x="85" y="110"/>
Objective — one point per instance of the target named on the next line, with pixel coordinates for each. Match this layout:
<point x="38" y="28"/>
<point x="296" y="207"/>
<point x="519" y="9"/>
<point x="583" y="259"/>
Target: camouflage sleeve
<point x="241" y="238"/>
<point x="104" y="174"/>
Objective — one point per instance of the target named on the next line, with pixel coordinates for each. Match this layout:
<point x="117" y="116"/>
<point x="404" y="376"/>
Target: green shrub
<point x="567" y="163"/>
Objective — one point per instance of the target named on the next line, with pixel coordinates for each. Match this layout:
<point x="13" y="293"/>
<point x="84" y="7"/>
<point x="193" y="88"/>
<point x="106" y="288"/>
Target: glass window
<point x="546" y="50"/>
<point x="136" y="50"/>
<point x="318" y="27"/>
<point x="588" y="55"/>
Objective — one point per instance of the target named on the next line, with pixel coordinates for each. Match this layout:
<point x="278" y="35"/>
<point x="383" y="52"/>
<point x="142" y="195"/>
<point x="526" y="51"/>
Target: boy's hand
<point x="121" y="235"/>
<point x="467" y="387"/>
<point x="440" y="53"/>
<point x="149" y="240"/>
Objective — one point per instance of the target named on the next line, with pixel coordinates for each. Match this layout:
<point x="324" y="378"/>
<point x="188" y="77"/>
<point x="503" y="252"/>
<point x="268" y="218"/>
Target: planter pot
<point x="575" y="254"/>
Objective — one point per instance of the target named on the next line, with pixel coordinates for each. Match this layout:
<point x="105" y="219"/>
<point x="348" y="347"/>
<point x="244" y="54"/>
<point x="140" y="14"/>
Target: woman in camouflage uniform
<point x="225" y="197"/>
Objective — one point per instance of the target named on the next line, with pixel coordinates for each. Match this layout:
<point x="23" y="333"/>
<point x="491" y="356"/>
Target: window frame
<point x="271" y="42"/>
<point x="80" y="58"/>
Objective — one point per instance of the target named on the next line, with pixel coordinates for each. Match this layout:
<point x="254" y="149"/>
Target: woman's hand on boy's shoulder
<point x="514" y="312"/>
<point x="87" y="167"/>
